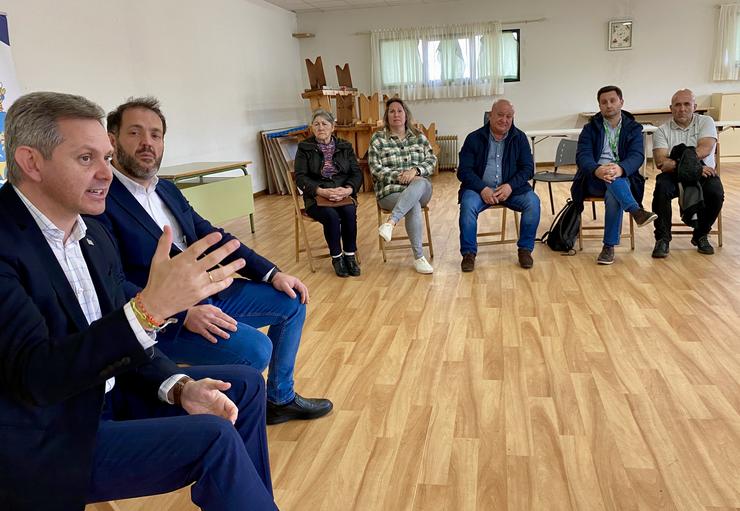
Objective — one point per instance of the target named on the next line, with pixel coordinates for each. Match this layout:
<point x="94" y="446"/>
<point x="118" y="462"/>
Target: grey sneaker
<point x="606" y="256"/>
<point x="642" y="217"/>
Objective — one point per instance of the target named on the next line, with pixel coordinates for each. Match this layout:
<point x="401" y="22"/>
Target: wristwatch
<point x="272" y="274"/>
<point x="177" y="389"/>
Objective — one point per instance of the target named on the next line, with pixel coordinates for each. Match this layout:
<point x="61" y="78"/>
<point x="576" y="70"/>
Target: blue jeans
<point x="471" y="204"/>
<point x="253" y="305"/>
<point x="617" y="198"/>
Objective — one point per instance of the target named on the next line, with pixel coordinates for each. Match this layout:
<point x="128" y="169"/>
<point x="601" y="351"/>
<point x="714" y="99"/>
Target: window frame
<point x="425" y="60"/>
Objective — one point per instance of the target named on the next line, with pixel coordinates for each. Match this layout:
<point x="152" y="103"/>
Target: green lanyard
<point x="613" y="138"/>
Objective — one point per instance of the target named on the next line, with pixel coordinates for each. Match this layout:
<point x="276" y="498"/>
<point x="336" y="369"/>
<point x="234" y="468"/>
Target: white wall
<point x="223" y="69"/>
<point x="564" y="59"/>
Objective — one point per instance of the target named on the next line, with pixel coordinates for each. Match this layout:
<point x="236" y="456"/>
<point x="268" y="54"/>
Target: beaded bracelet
<point x="141" y="312"/>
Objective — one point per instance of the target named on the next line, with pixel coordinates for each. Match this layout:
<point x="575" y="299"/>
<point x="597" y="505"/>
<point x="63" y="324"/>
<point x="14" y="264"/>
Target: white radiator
<point x="448" y="152"/>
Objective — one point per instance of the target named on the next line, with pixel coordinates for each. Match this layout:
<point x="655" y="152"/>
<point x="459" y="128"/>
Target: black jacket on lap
<point x="309" y="160"/>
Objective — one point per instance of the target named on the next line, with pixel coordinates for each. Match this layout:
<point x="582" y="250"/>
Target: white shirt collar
<point x="134" y="187"/>
<point x="48" y="229"/>
<point x="675" y="125"/>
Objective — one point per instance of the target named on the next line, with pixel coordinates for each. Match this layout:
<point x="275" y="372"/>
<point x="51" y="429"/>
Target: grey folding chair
<point x="565" y="155"/>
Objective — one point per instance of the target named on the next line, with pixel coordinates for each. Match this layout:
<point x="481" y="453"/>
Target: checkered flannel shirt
<point x="389" y="156"/>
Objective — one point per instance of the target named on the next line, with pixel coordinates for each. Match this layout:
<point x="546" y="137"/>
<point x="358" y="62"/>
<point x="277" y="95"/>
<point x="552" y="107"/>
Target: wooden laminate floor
<point x="567" y="386"/>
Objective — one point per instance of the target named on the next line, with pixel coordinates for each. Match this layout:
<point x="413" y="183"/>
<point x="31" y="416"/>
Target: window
<point x="455" y="61"/>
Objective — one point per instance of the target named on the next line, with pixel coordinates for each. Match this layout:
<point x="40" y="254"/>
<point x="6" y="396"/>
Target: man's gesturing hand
<point x="177" y="283"/>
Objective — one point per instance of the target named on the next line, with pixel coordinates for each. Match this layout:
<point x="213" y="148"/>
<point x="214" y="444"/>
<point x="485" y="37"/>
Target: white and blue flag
<point x="9" y="89"/>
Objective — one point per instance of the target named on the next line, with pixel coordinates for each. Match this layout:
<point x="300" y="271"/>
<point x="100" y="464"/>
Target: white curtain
<point x="726" y="46"/>
<point x="452" y="61"/>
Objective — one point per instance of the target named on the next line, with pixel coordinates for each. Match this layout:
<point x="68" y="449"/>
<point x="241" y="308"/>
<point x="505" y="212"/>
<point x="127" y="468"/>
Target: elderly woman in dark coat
<point x="327" y="172"/>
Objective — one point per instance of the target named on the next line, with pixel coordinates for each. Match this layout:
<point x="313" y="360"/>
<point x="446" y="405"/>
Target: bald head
<point x="683" y="93"/>
<point x="501" y="118"/>
<point x="683" y="105"/>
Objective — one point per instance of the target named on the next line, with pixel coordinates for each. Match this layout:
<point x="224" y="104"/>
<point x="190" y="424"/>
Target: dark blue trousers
<point x="150" y="447"/>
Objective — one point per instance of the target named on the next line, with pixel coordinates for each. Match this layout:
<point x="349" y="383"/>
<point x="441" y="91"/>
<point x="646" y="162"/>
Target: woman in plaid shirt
<point x="401" y="161"/>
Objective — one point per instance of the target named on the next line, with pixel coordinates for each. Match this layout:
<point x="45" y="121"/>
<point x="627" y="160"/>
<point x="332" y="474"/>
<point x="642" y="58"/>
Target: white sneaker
<point x="421" y="265"/>
<point x="385" y="231"/>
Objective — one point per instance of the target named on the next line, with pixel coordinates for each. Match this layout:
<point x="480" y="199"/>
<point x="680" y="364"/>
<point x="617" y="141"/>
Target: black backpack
<point x="561" y="237"/>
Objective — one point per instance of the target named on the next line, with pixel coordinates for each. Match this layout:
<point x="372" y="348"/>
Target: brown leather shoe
<point x="468" y="262"/>
<point x="525" y="258"/>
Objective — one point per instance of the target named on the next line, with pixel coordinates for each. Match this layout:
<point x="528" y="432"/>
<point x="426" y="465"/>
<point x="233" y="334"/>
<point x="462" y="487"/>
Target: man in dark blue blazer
<point x="90" y="410"/>
<point x="224" y="328"/>
<point x="495" y="168"/>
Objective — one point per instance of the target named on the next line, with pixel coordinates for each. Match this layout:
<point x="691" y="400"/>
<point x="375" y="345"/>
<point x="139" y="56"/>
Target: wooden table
<point x="206" y="195"/>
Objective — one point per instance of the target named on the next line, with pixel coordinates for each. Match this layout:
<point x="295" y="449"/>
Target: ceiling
<point x="333" y="5"/>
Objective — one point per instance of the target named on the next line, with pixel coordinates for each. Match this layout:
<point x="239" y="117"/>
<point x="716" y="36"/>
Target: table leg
<point x="251" y="221"/>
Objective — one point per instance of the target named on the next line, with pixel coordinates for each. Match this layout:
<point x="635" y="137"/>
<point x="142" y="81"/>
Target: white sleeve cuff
<point x="146" y="339"/>
<point x="167" y="385"/>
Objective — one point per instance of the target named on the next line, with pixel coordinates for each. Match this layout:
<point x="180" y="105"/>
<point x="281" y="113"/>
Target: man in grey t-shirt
<point x="693" y="130"/>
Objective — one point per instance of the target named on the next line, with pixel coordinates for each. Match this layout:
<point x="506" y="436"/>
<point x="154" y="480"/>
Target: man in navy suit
<point x="223" y="328"/>
<point x="90" y="410"/>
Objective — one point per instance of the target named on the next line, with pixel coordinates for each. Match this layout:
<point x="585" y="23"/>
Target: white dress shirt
<point x="70" y="258"/>
<point x="154" y="206"/>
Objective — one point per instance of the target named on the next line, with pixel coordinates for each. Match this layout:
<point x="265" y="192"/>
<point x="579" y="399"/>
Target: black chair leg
<point x="593" y="208"/>
<point x="552" y="204"/>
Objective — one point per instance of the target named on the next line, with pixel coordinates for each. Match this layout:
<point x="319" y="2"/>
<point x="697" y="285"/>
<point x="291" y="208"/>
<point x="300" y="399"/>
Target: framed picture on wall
<point x="620" y="35"/>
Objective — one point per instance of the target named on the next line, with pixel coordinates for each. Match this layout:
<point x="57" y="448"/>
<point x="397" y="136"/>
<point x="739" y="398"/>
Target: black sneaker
<point x="301" y="408"/>
<point x="606" y="256"/>
<point x="661" y="249"/>
<point x="340" y="267"/>
<point x="703" y="245"/>
<point x="352" y="267"/>
<point x="643" y="217"/>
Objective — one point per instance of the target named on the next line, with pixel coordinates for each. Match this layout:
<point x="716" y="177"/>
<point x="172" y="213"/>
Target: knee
<point x="246" y="382"/>
<point x="663" y="188"/>
<point x="713" y="191"/>
<point x="532" y="203"/>
<point x="217" y="432"/>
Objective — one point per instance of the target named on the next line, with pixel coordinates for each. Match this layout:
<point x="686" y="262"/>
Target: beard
<point x="133" y="168"/>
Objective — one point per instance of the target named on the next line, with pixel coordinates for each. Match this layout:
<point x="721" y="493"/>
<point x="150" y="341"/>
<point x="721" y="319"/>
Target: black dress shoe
<point x="340" y="267"/>
<point x="661" y="250"/>
<point x="352" y="267"/>
<point x="301" y="408"/>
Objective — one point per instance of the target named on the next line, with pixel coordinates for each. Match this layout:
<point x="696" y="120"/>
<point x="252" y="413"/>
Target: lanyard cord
<point x="613" y="138"/>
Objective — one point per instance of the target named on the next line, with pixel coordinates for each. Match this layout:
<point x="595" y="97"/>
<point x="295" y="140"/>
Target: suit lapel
<point x="175" y="205"/>
<point x="100" y="272"/>
<point x="128" y="202"/>
<point x="38" y="253"/>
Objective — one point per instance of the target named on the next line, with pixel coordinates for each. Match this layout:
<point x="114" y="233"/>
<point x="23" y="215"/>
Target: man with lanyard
<point x="610" y="154"/>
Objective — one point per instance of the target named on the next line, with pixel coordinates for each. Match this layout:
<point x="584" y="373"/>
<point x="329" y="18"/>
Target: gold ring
<point x="211" y="278"/>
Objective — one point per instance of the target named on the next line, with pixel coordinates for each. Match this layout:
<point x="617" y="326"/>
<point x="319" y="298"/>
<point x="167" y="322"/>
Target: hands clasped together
<point x="496" y="195"/>
<point x="609" y="172"/>
<point x="334" y="194"/>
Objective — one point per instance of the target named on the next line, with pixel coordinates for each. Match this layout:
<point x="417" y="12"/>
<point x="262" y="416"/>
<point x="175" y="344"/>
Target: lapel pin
<point x="89" y="241"/>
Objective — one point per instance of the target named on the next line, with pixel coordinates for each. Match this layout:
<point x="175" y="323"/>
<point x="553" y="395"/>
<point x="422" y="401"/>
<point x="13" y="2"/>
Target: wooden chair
<point x="501" y="233"/>
<point x="681" y="229"/>
<point x="104" y="506"/>
<point x="392" y="245"/>
<point x="301" y="220"/>
<point x="581" y="236"/>
<point x="565" y="155"/>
